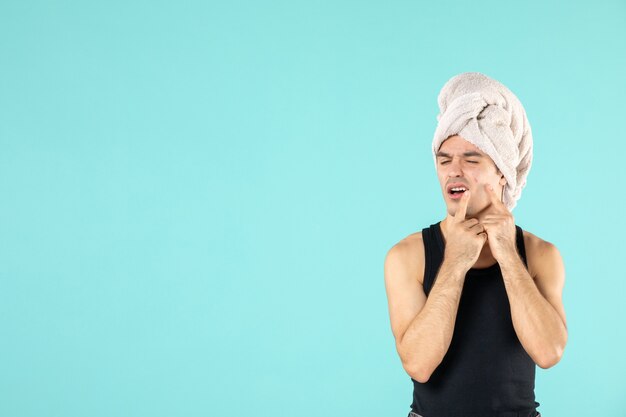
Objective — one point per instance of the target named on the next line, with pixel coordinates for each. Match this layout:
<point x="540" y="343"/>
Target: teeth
<point x="458" y="189"/>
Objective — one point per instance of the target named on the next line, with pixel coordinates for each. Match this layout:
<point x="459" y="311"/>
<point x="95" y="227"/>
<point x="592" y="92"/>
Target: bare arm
<point x="536" y="309"/>
<point x="423" y="327"/>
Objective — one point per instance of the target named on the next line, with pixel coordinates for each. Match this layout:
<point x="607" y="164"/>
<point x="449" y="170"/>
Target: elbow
<point x="546" y="364"/>
<point x="422" y="379"/>
<point x="417" y="365"/>
<point x="548" y="361"/>
<point x="419" y="374"/>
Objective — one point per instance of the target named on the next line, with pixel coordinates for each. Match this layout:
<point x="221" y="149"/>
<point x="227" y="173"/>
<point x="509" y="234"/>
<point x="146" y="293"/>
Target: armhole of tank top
<point x="521" y="248"/>
<point x="426" y="238"/>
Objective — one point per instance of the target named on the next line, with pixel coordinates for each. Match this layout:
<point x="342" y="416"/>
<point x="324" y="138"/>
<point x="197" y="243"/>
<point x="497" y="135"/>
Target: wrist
<point x="510" y="260"/>
<point x="456" y="266"/>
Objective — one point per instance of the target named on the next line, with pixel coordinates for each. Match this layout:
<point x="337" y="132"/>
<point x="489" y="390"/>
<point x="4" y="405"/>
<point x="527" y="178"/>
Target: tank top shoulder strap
<point x="433" y="256"/>
<point x="521" y="249"/>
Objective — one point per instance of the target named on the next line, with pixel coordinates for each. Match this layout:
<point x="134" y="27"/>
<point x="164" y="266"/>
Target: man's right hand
<point x="465" y="238"/>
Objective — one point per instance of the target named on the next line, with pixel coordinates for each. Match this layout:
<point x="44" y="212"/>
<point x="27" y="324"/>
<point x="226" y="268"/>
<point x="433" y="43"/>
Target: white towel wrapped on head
<point x="487" y="114"/>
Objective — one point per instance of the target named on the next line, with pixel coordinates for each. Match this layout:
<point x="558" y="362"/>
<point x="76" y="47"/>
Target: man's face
<point x="459" y="161"/>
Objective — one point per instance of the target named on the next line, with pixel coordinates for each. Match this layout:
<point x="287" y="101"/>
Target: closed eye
<point x="471" y="162"/>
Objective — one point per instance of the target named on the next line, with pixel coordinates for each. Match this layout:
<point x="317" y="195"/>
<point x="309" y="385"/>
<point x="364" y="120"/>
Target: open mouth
<point x="456" y="193"/>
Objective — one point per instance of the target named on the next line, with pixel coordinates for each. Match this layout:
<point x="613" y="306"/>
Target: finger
<point x="459" y="216"/>
<point x="471" y="222"/>
<point x="494" y="197"/>
<point x="490" y="219"/>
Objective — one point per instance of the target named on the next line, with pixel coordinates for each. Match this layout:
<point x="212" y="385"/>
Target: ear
<point x="502" y="181"/>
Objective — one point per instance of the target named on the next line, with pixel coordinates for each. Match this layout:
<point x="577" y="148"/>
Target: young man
<point x="475" y="302"/>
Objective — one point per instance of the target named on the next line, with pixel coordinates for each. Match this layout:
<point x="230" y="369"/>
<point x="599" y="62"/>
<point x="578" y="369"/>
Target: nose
<point x="454" y="168"/>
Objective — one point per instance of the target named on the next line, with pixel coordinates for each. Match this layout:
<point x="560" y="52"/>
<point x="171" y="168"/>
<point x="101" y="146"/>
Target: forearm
<point x="428" y="337"/>
<point x="539" y="327"/>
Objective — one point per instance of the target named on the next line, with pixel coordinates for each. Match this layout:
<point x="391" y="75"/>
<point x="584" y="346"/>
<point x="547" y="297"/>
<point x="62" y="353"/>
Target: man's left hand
<point x="500" y="227"/>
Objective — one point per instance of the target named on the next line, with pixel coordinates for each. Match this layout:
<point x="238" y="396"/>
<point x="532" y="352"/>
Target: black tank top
<point x="486" y="372"/>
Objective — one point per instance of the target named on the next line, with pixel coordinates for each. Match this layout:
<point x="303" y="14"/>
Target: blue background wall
<point x="197" y="198"/>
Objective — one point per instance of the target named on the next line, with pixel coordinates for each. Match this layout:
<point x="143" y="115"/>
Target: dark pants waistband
<point x="512" y="414"/>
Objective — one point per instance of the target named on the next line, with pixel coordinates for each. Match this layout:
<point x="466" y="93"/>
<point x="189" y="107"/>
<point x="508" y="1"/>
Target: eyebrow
<point x="469" y="153"/>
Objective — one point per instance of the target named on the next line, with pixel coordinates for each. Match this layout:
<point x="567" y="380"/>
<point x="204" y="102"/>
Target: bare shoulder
<point x="410" y="253"/>
<point x="546" y="267"/>
<point x="539" y="252"/>
<point x="403" y="273"/>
